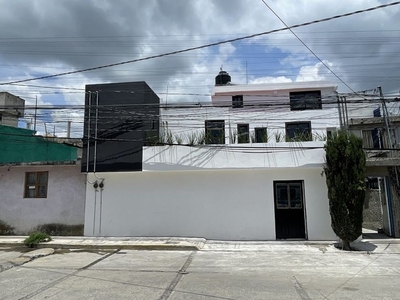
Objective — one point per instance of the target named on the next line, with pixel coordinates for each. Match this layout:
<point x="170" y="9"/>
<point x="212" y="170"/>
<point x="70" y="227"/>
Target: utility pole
<point x="345" y="113"/>
<point x="385" y="117"/>
<point x="340" y="111"/>
<point x="34" y="125"/>
<point x="69" y="129"/>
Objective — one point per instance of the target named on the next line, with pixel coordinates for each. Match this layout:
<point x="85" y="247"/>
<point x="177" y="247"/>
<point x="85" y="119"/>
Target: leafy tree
<point x="345" y="174"/>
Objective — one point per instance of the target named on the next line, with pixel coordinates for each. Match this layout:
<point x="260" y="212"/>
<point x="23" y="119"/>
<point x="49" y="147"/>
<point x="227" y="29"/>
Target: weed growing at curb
<point x="35" y="238"/>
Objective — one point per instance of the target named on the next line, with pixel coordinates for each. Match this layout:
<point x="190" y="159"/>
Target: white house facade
<point x="246" y="166"/>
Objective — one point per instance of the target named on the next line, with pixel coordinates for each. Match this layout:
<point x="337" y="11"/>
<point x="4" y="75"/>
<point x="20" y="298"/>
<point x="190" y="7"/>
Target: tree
<point x="345" y="175"/>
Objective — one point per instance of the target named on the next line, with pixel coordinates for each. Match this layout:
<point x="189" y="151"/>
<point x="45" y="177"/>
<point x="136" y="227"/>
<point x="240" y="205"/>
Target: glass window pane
<point x="295" y="195"/>
<point x="261" y="135"/>
<point x="215" y="132"/>
<point x="31" y="178"/>
<point x="42" y="178"/>
<point x="243" y="133"/>
<point x="42" y="191"/>
<point x="282" y="200"/>
<point x="299" y="131"/>
<point x="30" y="192"/>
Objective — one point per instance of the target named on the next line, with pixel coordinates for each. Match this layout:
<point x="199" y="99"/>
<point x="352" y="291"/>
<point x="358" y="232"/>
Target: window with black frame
<point x="261" y="135"/>
<point x="243" y="133"/>
<point x="288" y="195"/>
<point x="305" y="100"/>
<point x="237" y="101"/>
<point x="215" y="132"/>
<point x="298" y="131"/>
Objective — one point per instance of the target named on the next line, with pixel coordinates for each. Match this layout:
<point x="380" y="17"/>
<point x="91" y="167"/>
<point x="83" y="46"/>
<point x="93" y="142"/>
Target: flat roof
<point x="272" y="86"/>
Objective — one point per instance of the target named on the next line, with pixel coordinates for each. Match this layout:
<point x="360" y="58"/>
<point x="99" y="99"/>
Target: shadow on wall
<point x="61" y="229"/>
<point x="6" y="229"/>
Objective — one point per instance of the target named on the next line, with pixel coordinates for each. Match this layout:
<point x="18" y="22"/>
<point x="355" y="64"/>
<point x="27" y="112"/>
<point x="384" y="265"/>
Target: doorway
<point x="289" y="210"/>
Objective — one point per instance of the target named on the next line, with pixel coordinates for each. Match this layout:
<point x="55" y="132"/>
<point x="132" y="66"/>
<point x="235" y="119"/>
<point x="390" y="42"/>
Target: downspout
<point x="95" y="134"/>
<point x="95" y="185"/>
<point x="88" y="136"/>
<point x="101" y="185"/>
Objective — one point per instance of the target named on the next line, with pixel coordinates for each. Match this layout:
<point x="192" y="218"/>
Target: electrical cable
<point x="204" y="46"/>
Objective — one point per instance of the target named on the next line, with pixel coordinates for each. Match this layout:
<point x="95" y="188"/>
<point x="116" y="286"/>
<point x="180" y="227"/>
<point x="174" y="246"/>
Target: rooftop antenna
<point x="247" y="80"/>
<point x="166" y="99"/>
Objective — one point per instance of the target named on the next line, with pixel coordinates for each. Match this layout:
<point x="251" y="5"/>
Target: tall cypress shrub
<point x="345" y="175"/>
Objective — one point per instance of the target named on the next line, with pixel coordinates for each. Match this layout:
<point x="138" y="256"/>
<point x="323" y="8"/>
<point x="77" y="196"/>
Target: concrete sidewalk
<point x="373" y="244"/>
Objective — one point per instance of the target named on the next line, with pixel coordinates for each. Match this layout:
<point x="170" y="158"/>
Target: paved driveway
<point x="279" y="271"/>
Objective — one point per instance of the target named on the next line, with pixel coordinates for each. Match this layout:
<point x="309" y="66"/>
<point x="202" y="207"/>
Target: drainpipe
<point x="88" y="134"/>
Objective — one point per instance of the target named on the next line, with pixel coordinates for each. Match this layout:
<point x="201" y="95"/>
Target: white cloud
<point x="312" y="73"/>
<point x="269" y="79"/>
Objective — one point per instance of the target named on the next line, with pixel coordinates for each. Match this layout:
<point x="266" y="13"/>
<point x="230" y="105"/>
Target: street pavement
<point x="219" y="270"/>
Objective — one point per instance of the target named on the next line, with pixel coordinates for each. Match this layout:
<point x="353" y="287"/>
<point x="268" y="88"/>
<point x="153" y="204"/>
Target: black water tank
<point x="222" y="78"/>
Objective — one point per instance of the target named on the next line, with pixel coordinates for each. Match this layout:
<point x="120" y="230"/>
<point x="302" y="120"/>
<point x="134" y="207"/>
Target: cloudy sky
<point x="43" y="37"/>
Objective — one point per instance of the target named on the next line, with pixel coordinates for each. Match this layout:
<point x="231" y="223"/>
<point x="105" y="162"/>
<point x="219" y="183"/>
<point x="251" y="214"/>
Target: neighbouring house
<point x="382" y="205"/>
<point x="11" y="109"/>
<point x="247" y="165"/>
<point x="41" y="185"/>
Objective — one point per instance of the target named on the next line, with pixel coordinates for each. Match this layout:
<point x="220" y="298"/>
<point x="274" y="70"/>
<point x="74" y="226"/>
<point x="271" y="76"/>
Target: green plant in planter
<point x="35" y="238"/>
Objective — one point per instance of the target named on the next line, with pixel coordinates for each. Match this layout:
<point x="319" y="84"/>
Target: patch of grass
<point x="179" y="139"/>
<point x="6" y="229"/>
<point x="233" y="136"/>
<point x="169" y="138"/>
<point x="279" y="137"/>
<point x="319" y="136"/>
<point x="35" y="238"/>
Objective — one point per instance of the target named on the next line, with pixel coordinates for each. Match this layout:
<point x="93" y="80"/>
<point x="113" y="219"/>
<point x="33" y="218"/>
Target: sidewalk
<point x="373" y="244"/>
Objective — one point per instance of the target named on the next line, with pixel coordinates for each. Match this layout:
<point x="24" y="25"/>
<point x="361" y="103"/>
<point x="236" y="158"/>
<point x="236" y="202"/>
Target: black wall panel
<point x="119" y="119"/>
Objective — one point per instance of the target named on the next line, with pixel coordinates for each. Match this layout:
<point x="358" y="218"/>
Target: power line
<point x="204" y="46"/>
<point x="308" y="48"/>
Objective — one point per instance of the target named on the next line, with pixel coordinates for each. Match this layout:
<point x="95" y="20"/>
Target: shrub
<point x="345" y="173"/>
<point x="35" y="238"/>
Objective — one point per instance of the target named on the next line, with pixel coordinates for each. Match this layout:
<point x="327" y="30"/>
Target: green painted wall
<point x="18" y="145"/>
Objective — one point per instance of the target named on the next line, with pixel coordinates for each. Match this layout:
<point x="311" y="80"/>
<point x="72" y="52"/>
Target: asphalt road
<point x="276" y="272"/>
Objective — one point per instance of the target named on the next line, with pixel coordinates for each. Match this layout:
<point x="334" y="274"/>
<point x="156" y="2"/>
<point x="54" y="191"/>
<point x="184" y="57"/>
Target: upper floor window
<point x="237" y="101"/>
<point x="305" y="100"/>
<point x="36" y="184"/>
<point x="261" y="135"/>
<point x="298" y="131"/>
<point x="243" y="133"/>
<point x="215" y="132"/>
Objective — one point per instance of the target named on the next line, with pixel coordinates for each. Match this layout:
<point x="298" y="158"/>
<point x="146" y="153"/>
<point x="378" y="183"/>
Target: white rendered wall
<point x="226" y="205"/>
<point x="243" y="156"/>
<point x="64" y="203"/>
<point x="182" y="121"/>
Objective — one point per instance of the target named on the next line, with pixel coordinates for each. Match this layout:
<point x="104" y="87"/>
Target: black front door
<point x="289" y="210"/>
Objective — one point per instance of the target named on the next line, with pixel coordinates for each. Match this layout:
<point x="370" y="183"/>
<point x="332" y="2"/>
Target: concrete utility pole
<point x="34" y="126"/>
<point x="385" y="117"/>
<point x="346" y="114"/>
<point x="340" y="111"/>
<point x="69" y="129"/>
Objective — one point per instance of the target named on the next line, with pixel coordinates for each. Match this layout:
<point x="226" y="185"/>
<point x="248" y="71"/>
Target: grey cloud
<point x="80" y="34"/>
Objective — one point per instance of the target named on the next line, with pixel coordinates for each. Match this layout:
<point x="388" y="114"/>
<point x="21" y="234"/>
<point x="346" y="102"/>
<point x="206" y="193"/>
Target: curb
<point x="125" y="247"/>
<point x="187" y="246"/>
